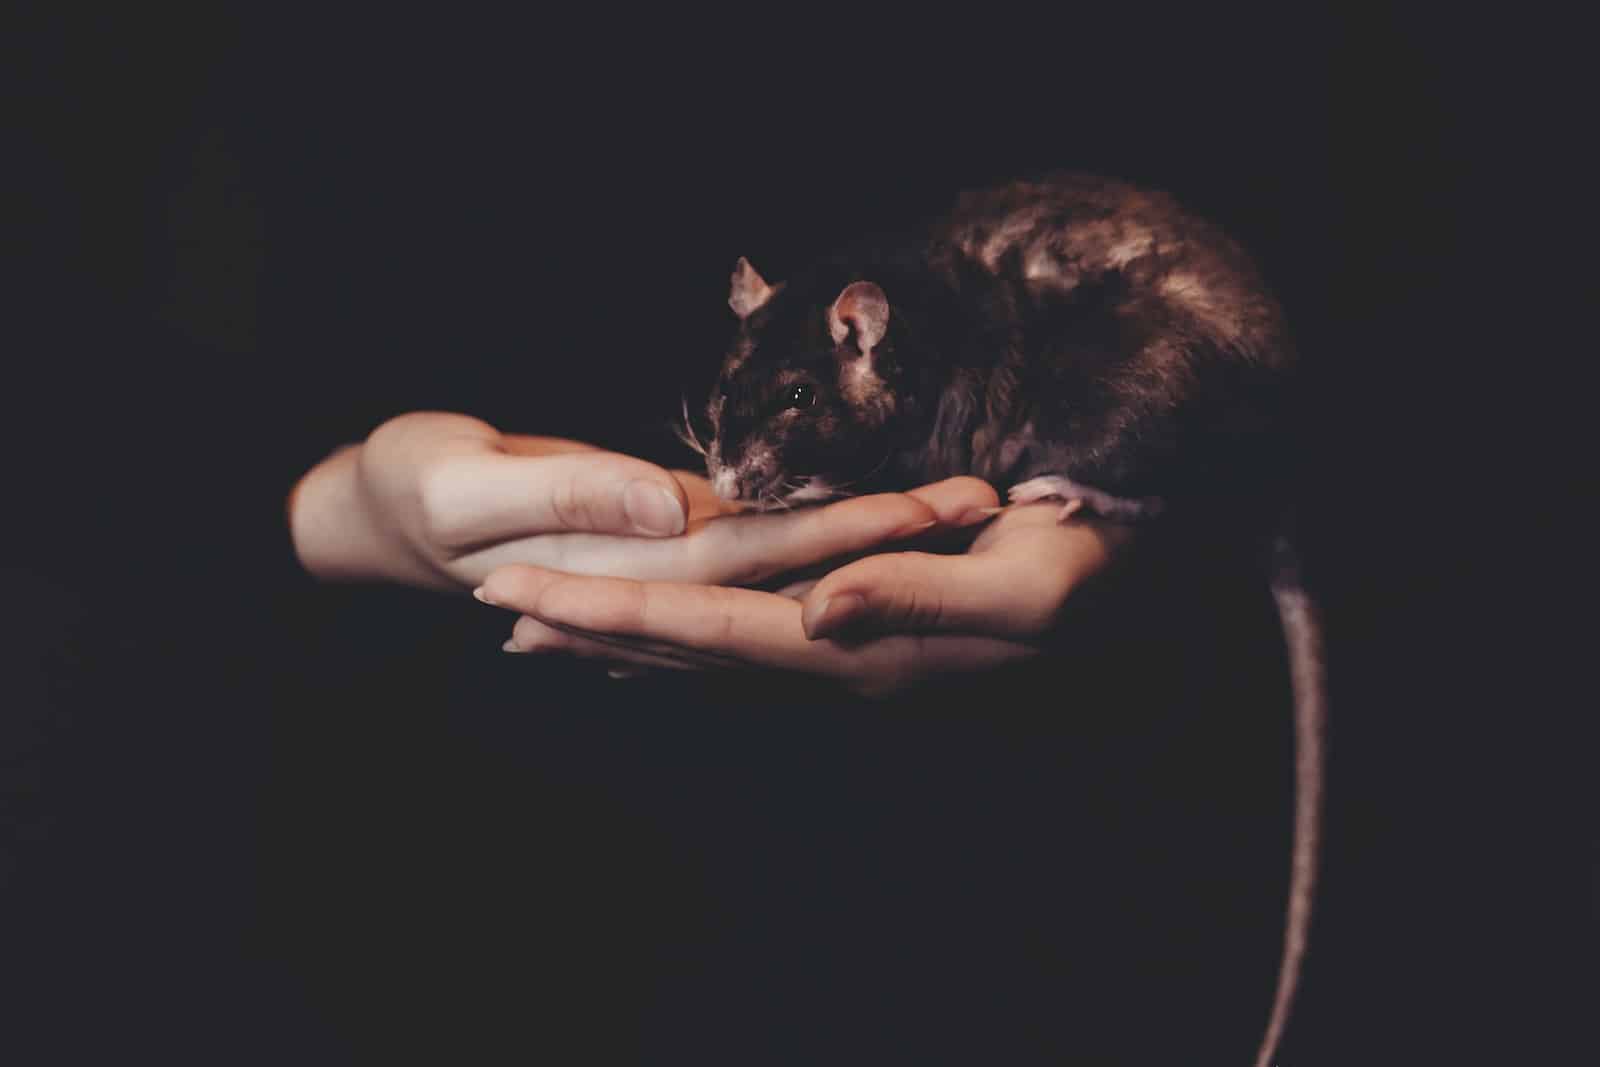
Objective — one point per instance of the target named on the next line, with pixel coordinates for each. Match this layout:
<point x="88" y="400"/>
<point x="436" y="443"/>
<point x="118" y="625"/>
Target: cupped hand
<point x="441" y="500"/>
<point x="875" y="625"/>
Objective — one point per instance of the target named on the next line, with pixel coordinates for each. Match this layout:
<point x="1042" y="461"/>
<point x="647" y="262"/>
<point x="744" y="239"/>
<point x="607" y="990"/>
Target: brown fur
<point x="1071" y="336"/>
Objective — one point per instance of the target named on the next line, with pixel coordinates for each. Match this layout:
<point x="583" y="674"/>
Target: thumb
<point x="1013" y="589"/>
<point x="487" y="497"/>
<point x="911" y="592"/>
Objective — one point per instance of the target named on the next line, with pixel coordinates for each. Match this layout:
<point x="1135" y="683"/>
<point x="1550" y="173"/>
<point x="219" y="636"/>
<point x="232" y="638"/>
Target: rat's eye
<point x="799" y="396"/>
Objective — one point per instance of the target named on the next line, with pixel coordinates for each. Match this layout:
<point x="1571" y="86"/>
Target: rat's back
<point x="1058" y="231"/>
<point x="1149" y="357"/>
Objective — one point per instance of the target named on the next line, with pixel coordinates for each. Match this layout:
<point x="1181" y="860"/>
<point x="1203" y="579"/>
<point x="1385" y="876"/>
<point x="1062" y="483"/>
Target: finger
<point x="714" y="626"/>
<point x="738" y="549"/>
<point x="484" y="497"/>
<point x="958" y="501"/>
<point x="743" y="548"/>
<point x="749" y="548"/>
<point x="531" y="635"/>
<point x="1014" y="590"/>
<point x="710" y="626"/>
<point x="739" y="624"/>
<point x="797" y="590"/>
<point x="731" y="550"/>
<point x="877" y="668"/>
<point x="653" y="647"/>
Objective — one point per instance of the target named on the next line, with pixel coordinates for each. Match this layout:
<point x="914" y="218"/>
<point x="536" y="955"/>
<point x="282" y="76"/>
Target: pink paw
<point x="1044" y="488"/>
<point x="1080" y="497"/>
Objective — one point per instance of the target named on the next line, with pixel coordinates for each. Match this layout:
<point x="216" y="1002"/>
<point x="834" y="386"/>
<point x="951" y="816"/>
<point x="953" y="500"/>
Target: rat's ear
<point x="864" y="308"/>
<point x="749" y="290"/>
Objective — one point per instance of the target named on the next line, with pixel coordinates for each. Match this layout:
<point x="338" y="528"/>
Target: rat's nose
<point x="725" y="483"/>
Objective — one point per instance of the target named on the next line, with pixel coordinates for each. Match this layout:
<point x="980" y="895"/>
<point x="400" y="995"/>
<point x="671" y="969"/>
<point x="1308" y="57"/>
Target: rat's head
<point x="803" y="406"/>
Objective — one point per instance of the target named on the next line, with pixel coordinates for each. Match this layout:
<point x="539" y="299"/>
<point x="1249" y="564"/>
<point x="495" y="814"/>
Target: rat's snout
<point x="752" y="477"/>
<point x="734" y="483"/>
<point x="725" y="483"/>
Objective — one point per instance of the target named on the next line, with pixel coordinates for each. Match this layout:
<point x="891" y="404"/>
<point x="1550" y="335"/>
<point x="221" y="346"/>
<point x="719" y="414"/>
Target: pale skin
<point x="608" y="557"/>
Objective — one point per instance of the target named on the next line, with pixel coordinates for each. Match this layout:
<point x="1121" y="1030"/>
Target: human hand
<point x="876" y="625"/>
<point x="440" y="500"/>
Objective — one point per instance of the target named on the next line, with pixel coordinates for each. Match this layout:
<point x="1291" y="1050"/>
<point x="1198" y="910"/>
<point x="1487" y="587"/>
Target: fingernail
<point x="819" y="620"/>
<point x="512" y="646"/>
<point x="652" y="509"/>
<point x="479" y="595"/>
<point x="619" y="675"/>
<point x="916" y="528"/>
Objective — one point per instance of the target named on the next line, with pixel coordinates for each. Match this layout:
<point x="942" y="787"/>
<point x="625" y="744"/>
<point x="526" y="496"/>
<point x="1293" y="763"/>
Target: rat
<point x="1072" y="338"/>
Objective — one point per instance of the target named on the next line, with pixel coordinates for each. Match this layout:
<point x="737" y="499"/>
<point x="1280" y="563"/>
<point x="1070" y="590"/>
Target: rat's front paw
<point x="1079" y="497"/>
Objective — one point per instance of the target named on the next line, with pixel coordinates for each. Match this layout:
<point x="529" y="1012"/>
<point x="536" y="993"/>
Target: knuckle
<point x="392" y="432"/>
<point x="916" y="605"/>
<point x="701" y="559"/>
<point x="732" y="560"/>
<point x="625" y="608"/>
<point x="721" y="632"/>
<point x="903" y="606"/>
<point x="436" y="504"/>
<point x="567" y="502"/>
<point x="554" y="599"/>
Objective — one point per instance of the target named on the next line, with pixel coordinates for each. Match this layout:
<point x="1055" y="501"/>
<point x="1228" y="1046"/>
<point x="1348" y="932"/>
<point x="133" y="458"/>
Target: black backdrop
<point x="253" y="820"/>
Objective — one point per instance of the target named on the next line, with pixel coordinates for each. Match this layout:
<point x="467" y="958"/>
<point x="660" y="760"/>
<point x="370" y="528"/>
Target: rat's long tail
<point x="1302" y="632"/>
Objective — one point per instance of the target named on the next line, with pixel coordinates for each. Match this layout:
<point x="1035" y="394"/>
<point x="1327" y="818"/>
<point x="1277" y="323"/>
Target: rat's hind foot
<point x="1079" y="497"/>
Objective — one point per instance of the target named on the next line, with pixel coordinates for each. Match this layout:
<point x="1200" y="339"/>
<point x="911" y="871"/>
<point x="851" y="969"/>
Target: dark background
<point x="248" y="819"/>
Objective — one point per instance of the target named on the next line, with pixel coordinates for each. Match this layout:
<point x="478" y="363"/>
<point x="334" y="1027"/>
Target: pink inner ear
<point x="749" y="289"/>
<point x="862" y="307"/>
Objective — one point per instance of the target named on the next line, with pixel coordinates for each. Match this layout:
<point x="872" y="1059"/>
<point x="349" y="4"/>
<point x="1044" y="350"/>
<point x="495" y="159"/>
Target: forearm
<point x="336" y="534"/>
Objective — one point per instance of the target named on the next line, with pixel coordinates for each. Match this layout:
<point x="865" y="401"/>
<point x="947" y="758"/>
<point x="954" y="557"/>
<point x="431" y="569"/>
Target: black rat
<point x="1072" y="337"/>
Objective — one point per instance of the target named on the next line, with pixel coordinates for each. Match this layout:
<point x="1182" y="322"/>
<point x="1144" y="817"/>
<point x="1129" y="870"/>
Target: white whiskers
<point x="685" y="432"/>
